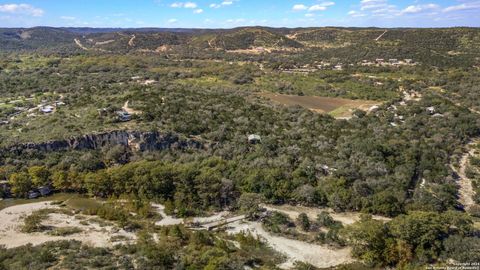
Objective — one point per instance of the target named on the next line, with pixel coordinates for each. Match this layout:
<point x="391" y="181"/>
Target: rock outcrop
<point x="134" y="140"/>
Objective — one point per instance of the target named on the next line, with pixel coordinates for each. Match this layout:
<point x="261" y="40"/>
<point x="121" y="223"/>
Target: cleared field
<point x="337" y="107"/>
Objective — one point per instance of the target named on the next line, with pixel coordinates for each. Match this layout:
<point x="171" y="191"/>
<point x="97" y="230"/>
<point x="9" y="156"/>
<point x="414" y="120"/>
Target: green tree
<point x="60" y="180"/>
<point x="367" y="238"/>
<point x="20" y="184"/>
<point x="40" y="175"/>
<point x="303" y="221"/>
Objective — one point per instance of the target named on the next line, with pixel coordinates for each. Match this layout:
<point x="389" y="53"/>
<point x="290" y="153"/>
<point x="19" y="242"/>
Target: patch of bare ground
<point x="346" y="218"/>
<point x="100" y="43"/>
<point x="260" y="50"/>
<point x="129" y="110"/>
<point x="90" y="232"/>
<point x="339" y="107"/>
<point x="294" y="250"/>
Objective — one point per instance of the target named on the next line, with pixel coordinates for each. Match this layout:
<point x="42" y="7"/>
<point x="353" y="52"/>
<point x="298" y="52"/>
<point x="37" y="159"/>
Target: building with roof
<point x="254" y="139"/>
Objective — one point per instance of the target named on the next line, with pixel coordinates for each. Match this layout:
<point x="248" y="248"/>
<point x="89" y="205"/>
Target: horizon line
<point x="237" y="27"/>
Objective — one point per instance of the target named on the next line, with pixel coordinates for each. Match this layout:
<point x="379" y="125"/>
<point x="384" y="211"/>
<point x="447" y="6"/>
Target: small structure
<point x="45" y="190"/>
<point x="338" y="67"/>
<point x="393" y="61"/>
<point x="254" y="139"/>
<point x="47" y="109"/>
<point x="374" y="108"/>
<point x="32" y="194"/>
<point x="379" y="60"/>
<point x="431" y="110"/>
<point x="124" y="116"/>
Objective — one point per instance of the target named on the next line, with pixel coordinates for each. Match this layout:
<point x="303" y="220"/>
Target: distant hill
<point x="34" y="38"/>
<point x="438" y="47"/>
<point x="247" y="38"/>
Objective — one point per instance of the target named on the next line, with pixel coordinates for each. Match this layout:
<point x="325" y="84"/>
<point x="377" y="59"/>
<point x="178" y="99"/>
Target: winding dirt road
<point x="465" y="191"/>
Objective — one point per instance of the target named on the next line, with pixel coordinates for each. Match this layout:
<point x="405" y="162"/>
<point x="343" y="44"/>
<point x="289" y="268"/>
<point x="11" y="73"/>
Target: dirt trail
<point x="465" y="191"/>
<point x="79" y="44"/>
<point x="166" y="219"/>
<point x="131" y="42"/>
<point x="379" y="37"/>
<point x="130" y="110"/>
<point x="294" y="250"/>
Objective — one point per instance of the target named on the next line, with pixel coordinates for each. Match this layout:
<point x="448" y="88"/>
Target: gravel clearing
<point x="11" y="222"/>
<point x="294" y="250"/>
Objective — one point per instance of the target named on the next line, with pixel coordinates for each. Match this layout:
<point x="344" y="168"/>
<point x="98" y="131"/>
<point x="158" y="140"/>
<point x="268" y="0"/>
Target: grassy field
<point x="337" y="107"/>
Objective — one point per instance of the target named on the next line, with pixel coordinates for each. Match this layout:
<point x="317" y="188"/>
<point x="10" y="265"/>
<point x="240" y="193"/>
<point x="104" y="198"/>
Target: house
<point x="408" y="61"/>
<point x="45" y="190"/>
<point x="430" y="110"/>
<point x="47" y="109"/>
<point x="393" y="61"/>
<point x="254" y="139"/>
<point x="379" y="60"/>
<point x="124" y="116"/>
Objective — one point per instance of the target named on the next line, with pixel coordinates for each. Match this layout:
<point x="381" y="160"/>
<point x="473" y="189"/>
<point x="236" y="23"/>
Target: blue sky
<point x="232" y="13"/>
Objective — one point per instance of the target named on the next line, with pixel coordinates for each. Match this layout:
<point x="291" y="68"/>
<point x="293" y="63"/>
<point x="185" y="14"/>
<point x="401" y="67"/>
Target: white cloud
<point x="299" y="7"/>
<point x="190" y="5"/>
<point x="171" y="21"/>
<point x="223" y="4"/>
<point x="309" y="15"/>
<point x="419" y="8"/>
<point x="184" y="5"/>
<point x="317" y="8"/>
<point x="465" y="6"/>
<point x="24" y="9"/>
<point x="372" y="4"/>
<point x="327" y="4"/>
<point x="67" y="18"/>
<point x="354" y="13"/>
<point x="176" y="5"/>
<point x="198" y="11"/>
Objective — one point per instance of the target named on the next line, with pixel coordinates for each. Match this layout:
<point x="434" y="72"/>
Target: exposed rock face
<point x="135" y="140"/>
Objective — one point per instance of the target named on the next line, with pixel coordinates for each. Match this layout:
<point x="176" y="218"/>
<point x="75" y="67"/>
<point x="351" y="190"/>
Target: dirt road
<point x="466" y="191"/>
<point x="294" y="250"/>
